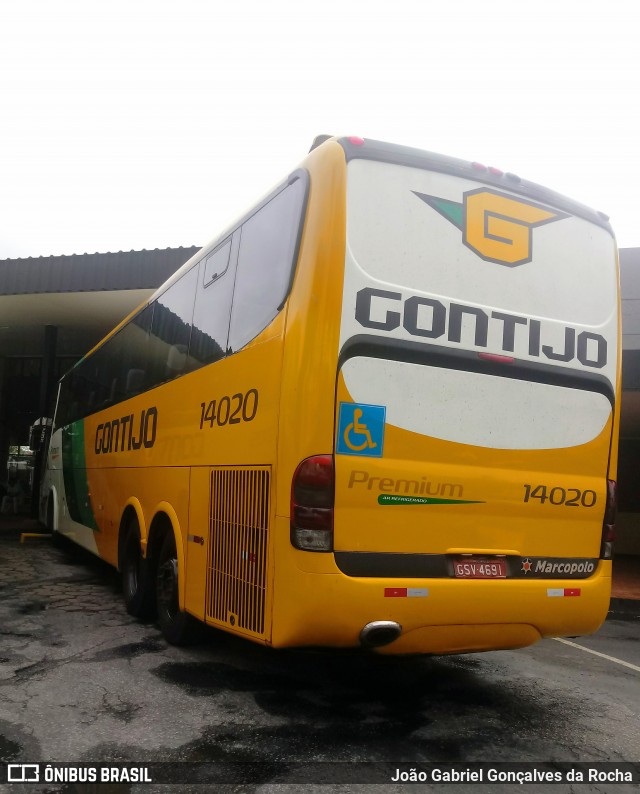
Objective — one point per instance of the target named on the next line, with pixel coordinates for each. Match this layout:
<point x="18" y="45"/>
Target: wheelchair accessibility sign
<point x="361" y="430"/>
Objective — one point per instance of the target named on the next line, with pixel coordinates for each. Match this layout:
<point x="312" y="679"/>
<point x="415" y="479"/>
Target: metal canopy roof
<point x="128" y="270"/>
<point x="84" y="295"/>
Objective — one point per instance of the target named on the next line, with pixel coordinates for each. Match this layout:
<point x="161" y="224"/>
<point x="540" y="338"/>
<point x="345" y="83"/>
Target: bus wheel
<point x="137" y="581"/>
<point x="178" y="627"/>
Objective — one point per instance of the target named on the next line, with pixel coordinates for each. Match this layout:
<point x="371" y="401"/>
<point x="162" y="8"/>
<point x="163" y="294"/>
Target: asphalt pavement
<point x="82" y="681"/>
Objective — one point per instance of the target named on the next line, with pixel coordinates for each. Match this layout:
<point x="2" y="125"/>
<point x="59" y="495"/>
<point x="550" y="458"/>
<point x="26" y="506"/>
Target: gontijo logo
<point x="495" y="226"/>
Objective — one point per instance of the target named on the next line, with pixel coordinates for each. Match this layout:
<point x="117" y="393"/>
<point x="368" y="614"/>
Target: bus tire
<point x="178" y="627"/>
<point x="137" y="578"/>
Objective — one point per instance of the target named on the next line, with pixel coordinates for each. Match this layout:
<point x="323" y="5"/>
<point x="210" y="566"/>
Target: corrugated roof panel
<point x="630" y="273"/>
<point x="91" y="272"/>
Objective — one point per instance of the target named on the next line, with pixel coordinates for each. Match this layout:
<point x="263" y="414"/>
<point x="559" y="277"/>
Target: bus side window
<point x="265" y="264"/>
<point x="213" y="304"/>
<point x="171" y="329"/>
<point x="114" y="394"/>
<point x="135" y="382"/>
<point x="136" y="348"/>
<point x="95" y="371"/>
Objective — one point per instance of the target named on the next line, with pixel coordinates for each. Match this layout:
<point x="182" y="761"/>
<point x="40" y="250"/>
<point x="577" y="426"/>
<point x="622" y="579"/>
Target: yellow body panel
<point x="325" y="607"/>
<point x="172" y="477"/>
<point x="490" y="480"/>
<point x="313" y="323"/>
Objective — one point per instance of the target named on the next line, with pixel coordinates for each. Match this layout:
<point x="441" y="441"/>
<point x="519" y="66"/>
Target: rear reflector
<point x="495" y="357"/>
<point x="312" y="490"/>
<point x="406" y="592"/>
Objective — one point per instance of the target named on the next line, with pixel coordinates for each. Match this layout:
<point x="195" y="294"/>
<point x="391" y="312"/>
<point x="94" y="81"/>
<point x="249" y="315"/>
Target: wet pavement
<point x="81" y="681"/>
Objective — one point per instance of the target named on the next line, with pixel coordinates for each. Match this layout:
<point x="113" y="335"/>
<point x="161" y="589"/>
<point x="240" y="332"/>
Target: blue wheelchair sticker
<point x="361" y="430"/>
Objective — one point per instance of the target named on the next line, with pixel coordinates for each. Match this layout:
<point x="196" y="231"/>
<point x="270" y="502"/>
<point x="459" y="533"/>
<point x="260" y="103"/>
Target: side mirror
<point x="35" y="440"/>
<point x="38" y="433"/>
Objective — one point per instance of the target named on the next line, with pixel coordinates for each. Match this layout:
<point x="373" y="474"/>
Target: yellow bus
<point x="379" y="411"/>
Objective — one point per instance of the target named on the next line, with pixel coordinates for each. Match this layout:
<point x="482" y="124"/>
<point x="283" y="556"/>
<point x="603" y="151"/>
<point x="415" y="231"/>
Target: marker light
<point x="355" y="140"/>
<point x="495" y="357"/>
<point x="495" y="171"/>
<point x="479" y="166"/>
<point x="312" y="499"/>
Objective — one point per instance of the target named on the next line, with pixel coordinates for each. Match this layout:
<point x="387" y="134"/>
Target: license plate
<point x="479" y="568"/>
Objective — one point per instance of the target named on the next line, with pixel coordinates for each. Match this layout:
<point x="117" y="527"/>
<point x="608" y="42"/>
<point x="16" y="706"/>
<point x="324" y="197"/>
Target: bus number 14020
<point x="569" y="497"/>
<point x="230" y="410"/>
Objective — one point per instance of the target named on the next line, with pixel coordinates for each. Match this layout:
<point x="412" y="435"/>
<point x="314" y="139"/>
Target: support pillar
<point x="4" y="430"/>
<point x="47" y="373"/>
<point x="47" y="381"/>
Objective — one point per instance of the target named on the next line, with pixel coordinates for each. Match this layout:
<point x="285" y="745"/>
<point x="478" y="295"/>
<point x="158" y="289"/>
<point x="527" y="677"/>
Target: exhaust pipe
<point x="379" y="633"/>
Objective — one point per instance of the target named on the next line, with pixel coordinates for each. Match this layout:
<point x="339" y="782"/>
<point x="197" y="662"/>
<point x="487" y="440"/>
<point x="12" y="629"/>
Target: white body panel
<point x="401" y="247"/>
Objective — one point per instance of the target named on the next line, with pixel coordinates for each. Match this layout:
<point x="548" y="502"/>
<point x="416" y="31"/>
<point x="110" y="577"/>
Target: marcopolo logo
<point x="558" y="567"/>
<point x="495" y="226"/>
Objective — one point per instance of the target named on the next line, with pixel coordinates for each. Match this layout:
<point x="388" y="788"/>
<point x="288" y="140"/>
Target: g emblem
<point x="498" y="227"/>
<point x="495" y="226"/>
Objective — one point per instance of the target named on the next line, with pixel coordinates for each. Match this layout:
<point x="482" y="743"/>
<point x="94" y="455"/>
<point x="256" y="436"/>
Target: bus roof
<point x="367" y="149"/>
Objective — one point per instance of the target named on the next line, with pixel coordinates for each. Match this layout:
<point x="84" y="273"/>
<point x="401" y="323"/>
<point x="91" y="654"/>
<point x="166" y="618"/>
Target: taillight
<point x="312" y="504"/>
<point x="609" y="522"/>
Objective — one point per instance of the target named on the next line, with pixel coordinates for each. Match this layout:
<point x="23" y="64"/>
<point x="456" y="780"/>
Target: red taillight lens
<point x="496" y="358"/>
<point x="313" y="482"/>
<point x="609" y="521"/>
<point x="312" y="491"/>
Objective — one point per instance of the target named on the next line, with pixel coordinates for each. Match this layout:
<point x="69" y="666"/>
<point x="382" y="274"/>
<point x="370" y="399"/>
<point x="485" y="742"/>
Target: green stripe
<point x="74" y="467"/>
<point x="390" y="499"/>
<point x="451" y="210"/>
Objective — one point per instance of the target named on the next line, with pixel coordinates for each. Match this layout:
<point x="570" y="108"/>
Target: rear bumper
<point x="324" y="607"/>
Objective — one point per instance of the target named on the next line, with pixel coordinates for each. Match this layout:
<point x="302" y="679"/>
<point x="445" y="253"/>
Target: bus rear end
<point x="475" y="412"/>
